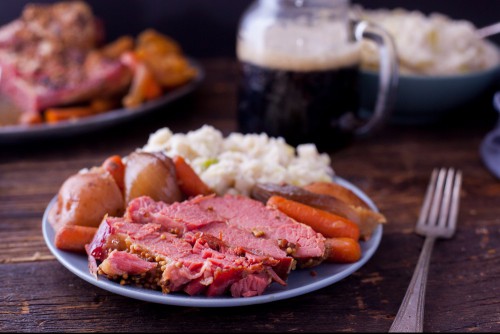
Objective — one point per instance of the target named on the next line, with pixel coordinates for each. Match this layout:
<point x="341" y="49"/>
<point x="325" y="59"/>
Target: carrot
<point x="104" y="104"/>
<point x="53" y="115"/>
<point x="114" y="165"/>
<point x="73" y="238"/>
<point x="337" y="191"/>
<point x="144" y="87"/>
<point x="189" y="182"/>
<point x="342" y="250"/>
<point x="324" y="222"/>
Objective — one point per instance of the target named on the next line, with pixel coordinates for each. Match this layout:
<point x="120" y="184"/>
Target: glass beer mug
<point x="299" y="72"/>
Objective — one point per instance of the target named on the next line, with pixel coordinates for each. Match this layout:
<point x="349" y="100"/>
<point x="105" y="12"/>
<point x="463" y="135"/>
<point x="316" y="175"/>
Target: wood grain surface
<point x="38" y="294"/>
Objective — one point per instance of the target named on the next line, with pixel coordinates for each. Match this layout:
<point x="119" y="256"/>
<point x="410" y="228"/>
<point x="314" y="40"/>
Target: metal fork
<point x="438" y="218"/>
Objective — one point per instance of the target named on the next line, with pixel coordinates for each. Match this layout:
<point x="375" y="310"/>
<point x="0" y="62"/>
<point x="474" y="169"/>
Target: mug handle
<point x="388" y="78"/>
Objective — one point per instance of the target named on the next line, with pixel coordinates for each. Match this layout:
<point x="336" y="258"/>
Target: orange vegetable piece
<point x="73" y="238"/>
<point x="144" y="87"/>
<point x="53" y="115"/>
<point x="115" y="166"/>
<point x="324" y="222"/>
<point x="342" y="250"/>
<point x="189" y="182"/>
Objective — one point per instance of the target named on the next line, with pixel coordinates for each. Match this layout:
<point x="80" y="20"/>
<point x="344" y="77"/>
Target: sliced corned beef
<point x="48" y="58"/>
<point x="252" y="285"/>
<point x="204" y="265"/>
<point x="307" y="245"/>
<point x="242" y="241"/>
<point x="180" y="216"/>
<point x="121" y="262"/>
<point x="189" y="216"/>
<point x="300" y="240"/>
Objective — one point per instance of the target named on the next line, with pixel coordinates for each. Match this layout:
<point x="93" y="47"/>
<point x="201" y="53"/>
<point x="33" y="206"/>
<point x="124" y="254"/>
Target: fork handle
<point x="410" y="317"/>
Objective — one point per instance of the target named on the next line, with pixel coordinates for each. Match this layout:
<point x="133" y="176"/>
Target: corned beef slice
<point x="120" y="263"/>
<point x="176" y="264"/>
<point x="191" y="216"/>
<point x="252" y="215"/>
<point x="47" y="58"/>
<point x="105" y="77"/>
<point x="306" y="245"/>
<point x="177" y="217"/>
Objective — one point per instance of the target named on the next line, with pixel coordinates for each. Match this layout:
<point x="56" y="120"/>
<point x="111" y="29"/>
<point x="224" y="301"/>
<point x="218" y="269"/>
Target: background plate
<point x="299" y="282"/>
<point x="22" y="133"/>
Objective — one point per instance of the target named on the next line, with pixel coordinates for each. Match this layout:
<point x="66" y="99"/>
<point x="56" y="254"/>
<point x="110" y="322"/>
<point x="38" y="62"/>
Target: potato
<point x="153" y="175"/>
<point x="85" y="198"/>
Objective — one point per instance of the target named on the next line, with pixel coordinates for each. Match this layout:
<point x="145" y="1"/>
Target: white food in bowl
<point x="233" y="164"/>
<point x="429" y="45"/>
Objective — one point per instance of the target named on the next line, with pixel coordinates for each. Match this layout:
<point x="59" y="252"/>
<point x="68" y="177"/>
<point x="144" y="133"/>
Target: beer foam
<point x="298" y="46"/>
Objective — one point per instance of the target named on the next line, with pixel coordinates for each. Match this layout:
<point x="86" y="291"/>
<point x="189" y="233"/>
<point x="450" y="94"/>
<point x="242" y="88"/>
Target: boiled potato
<point x="153" y="175"/>
<point x="85" y="198"/>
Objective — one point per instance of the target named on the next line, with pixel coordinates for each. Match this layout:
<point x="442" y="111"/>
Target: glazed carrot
<point x="342" y="250"/>
<point x="104" y="104"/>
<point x="114" y="165"/>
<point x="53" y="115"/>
<point x="337" y="191"/>
<point x="324" y="222"/>
<point x="73" y="238"/>
<point x="144" y="87"/>
<point x="189" y="182"/>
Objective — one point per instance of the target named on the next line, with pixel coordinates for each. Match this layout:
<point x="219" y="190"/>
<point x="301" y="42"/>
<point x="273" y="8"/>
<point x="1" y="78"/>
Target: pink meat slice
<point x="247" y="242"/>
<point x="190" y="216"/>
<point x="121" y="262"/>
<point x="194" y="266"/>
<point x="252" y="285"/>
<point x="252" y="215"/>
<point x="179" y="217"/>
<point x="239" y="211"/>
<point x="48" y="58"/>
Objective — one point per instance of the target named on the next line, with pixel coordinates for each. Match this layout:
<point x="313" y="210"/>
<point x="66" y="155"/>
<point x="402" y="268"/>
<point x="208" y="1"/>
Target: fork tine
<point x="447" y="197"/>
<point x="455" y="202"/>
<point x="436" y="200"/>
<point x="424" y="211"/>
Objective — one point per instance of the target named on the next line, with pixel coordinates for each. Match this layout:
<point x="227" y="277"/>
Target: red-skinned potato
<point x="153" y="175"/>
<point x="85" y="198"/>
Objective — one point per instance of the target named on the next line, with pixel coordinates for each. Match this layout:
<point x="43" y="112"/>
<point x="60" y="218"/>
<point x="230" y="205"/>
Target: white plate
<point x="299" y="281"/>
<point x="25" y="133"/>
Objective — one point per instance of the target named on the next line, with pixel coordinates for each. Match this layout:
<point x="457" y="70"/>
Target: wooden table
<point x="38" y="294"/>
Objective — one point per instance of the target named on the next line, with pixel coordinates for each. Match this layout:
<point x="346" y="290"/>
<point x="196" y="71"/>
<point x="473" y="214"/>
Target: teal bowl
<point x="425" y="99"/>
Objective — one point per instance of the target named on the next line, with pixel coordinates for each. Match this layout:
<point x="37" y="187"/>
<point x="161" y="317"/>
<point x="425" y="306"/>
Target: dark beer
<point x="301" y="106"/>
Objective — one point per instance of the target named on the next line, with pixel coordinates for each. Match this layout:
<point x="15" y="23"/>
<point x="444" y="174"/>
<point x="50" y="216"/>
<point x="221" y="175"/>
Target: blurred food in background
<point x="431" y="44"/>
<point x="56" y="66"/>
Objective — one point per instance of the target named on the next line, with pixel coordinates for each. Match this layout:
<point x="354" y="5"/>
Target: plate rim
<point x="17" y="133"/>
<point x="200" y="301"/>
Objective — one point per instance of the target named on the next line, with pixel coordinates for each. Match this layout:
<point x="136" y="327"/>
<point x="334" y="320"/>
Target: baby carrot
<point x="73" y="238"/>
<point x="342" y="250"/>
<point x="324" y="222"/>
<point x="189" y="182"/>
<point x="114" y="165"/>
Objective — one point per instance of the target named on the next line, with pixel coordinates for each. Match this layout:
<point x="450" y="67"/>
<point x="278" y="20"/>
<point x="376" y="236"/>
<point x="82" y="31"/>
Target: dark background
<point x="207" y="28"/>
